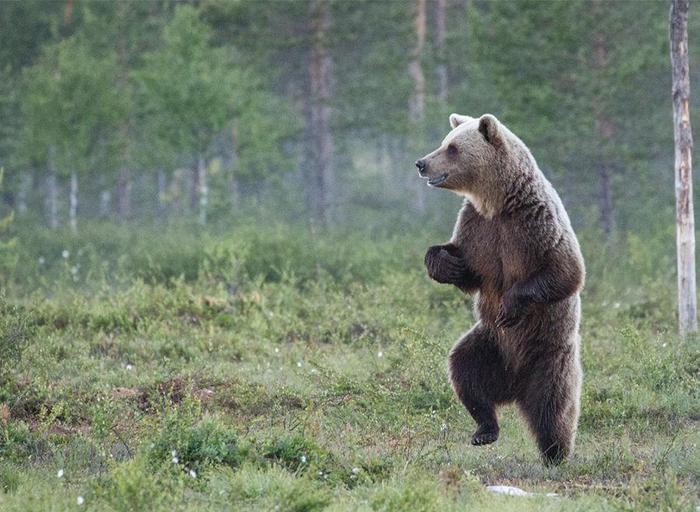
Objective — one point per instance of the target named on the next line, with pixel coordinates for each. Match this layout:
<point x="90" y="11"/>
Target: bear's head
<point x="467" y="161"/>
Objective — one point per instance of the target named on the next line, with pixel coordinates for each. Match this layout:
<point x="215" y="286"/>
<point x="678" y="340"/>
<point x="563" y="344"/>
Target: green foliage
<point x="296" y="453"/>
<point x="154" y="86"/>
<point x="194" y="444"/>
<point x="307" y="391"/>
<point x="9" y="479"/>
<point x="251" y="488"/>
<point x="15" y="331"/>
<point x="133" y="485"/>
<point x="71" y="107"/>
<point x="187" y="84"/>
<point x="8" y="252"/>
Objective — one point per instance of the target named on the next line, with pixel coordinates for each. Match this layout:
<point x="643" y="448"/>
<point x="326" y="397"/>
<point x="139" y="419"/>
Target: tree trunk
<point x="194" y="189"/>
<point x="385" y="159"/>
<point x="321" y="82"/>
<point x="416" y="106"/>
<point x="52" y="191"/>
<point x="124" y="195"/>
<point x="441" y="68"/>
<point x="73" y="202"/>
<point x="25" y="187"/>
<point x="233" y="189"/>
<point x="162" y="194"/>
<point x="203" y="189"/>
<point x="605" y="201"/>
<point x="683" y="137"/>
<point x="417" y="103"/>
<point x="105" y="203"/>
<point x="605" y="130"/>
<point x="124" y="178"/>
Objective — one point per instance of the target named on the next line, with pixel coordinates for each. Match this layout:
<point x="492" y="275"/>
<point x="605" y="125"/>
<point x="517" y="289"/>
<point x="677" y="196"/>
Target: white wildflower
<point x="299" y="364"/>
<point x="129" y="366"/>
<point x="42" y="260"/>
<point x="355" y="470"/>
<point x="380" y="354"/>
<point x="176" y="460"/>
<point x="65" y="253"/>
<point x="193" y="473"/>
<point x="303" y="459"/>
<point x="60" y="473"/>
<point x="80" y="500"/>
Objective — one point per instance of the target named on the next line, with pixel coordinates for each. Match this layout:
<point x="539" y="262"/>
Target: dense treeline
<point x="164" y="109"/>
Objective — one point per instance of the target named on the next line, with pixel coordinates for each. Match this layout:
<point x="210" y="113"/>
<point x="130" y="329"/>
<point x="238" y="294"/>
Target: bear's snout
<point x="421" y="166"/>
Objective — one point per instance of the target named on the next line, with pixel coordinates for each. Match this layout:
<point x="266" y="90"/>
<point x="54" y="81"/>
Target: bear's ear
<point x="457" y="119"/>
<point x="488" y="126"/>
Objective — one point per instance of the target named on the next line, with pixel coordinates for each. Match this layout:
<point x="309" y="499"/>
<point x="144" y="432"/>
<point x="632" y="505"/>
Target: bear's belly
<point x="488" y="304"/>
<point x="543" y="327"/>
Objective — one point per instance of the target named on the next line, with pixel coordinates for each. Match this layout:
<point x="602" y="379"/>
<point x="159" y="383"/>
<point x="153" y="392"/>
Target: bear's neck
<point x="515" y="175"/>
<point x="487" y="202"/>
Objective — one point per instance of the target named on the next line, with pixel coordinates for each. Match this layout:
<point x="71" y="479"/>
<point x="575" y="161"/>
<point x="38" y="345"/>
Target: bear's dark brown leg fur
<point x="480" y="380"/>
<point x="549" y="402"/>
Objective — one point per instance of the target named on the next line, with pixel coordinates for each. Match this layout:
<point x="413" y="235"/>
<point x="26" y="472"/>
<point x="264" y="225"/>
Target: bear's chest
<point x="495" y="249"/>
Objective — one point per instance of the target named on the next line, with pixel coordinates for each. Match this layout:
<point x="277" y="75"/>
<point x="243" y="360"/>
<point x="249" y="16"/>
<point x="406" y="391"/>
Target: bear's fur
<point x="514" y="245"/>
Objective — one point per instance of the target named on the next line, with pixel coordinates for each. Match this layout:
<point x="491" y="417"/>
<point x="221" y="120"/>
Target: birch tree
<point x="70" y="107"/>
<point x="416" y="106"/>
<point x="321" y="83"/>
<point x="440" y="33"/>
<point x="683" y="138"/>
<point x="188" y="89"/>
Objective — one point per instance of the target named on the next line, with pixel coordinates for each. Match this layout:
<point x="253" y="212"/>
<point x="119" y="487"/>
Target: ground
<point x="288" y="371"/>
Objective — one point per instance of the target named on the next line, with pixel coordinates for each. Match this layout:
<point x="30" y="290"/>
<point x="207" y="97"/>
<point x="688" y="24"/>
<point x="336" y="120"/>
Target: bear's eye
<point x="452" y="150"/>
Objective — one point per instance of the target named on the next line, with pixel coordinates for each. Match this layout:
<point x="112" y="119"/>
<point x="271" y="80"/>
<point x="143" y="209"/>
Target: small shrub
<point x="14" y="334"/>
<point x="133" y="485"/>
<point x="195" y="444"/>
<point x="295" y="452"/>
<point x="9" y="479"/>
<point x="255" y="488"/>
<point x="414" y="496"/>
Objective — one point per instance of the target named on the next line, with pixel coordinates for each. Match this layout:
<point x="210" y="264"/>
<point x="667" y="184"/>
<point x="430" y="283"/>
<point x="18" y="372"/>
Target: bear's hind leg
<point x="480" y="380"/>
<point x="550" y="404"/>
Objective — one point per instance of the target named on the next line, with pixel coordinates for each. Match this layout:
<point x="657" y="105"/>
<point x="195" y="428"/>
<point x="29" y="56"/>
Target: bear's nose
<point x="421" y="166"/>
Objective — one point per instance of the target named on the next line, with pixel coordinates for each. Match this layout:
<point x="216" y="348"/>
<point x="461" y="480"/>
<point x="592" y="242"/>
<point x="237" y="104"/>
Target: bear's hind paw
<point x="484" y="436"/>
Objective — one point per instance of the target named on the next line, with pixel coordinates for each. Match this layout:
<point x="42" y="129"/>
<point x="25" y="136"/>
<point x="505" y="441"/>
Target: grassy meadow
<point x="281" y="369"/>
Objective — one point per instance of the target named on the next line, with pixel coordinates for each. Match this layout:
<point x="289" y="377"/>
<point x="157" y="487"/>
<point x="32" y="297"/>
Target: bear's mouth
<point x="437" y="180"/>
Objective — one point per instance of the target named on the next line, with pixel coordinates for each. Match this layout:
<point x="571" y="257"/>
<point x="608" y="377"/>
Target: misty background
<point x="313" y="112"/>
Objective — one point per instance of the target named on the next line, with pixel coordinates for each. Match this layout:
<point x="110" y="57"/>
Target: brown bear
<point x="514" y="245"/>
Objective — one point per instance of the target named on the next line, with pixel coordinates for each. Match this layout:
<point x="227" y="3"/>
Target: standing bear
<point x="514" y="245"/>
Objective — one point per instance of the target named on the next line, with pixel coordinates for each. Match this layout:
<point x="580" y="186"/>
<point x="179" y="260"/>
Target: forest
<point x="211" y="252"/>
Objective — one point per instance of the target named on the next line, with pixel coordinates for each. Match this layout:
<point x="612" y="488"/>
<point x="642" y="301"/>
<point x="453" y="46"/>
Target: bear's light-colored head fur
<point x="475" y="160"/>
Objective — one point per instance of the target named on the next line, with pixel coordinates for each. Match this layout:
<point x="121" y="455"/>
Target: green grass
<point x="284" y="371"/>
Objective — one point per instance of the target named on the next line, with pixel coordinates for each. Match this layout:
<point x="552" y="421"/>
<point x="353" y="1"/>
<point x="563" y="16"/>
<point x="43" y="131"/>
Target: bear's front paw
<point x="444" y="267"/>
<point x="511" y="311"/>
